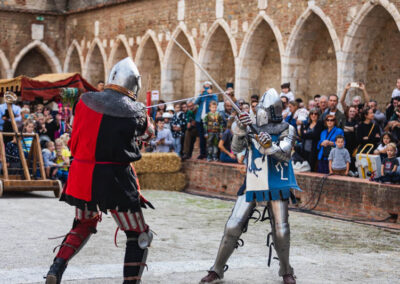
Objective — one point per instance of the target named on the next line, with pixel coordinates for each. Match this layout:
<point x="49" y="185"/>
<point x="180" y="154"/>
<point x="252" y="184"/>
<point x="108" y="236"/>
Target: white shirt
<point x="395" y="93"/>
<point x="289" y="95"/>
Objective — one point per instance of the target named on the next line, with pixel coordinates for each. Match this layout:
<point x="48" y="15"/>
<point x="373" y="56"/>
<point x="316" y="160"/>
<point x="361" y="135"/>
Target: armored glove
<point x="264" y="138"/>
<point x="245" y="119"/>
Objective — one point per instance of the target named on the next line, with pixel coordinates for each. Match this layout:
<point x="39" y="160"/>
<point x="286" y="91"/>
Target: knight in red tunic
<point x="106" y="129"/>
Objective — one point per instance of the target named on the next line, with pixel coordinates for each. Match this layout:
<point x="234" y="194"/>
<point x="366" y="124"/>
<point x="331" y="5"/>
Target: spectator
<point x="285" y="107"/>
<point x="285" y="91"/>
<point x="391" y="107"/>
<point x="326" y="142"/>
<point x="49" y="158"/>
<point x="191" y="132"/>
<point x="100" y="86"/>
<point x="62" y="160"/>
<point x="12" y="157"/>
<point x="382" y="147"/>
<point x="178" y="125"/>
<point x="226" y="112"/>
<point x="291" y="118"/>
<point x="41" y="125"/>
<point x="339" y="158"/>
<point x="224" y="144"/>
<point x="350" y="127"/>
<point x="61" y="126"/>
<point x="310" y="133"/>
<point x="203" y="102"/>
<point x="25" y="116"/>
<point x="333" y="110"/>
<point x="240" y="103"/>
<point x="396" y="91"/>
<point x="158" y="109"/>
<point x="7" y="127"/>
<point x="393" y="125"/>
<point x="254" y="98"/>
<point x="51" y="124"/>
<point x="323" y="105"/>
<point x="17" y="114"/>
<point x="316" y="100"/>
<point x="389" y="166"/>
<point x="357" y="99"/>
<point x="163" y="141"/>
<point x="167" y="116"/>
<point x="253" y="110"/>
<point x="311" y="104"/>
<point x="29" y="128"/>
<point x="379" y="117"/>
<point x="246" y="107"/>
<point x="367" y="132"/>
<point x="213" y="128"/>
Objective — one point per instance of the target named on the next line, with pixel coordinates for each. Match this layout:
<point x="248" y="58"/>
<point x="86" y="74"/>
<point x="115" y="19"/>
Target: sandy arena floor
<point x="189" y="229"/>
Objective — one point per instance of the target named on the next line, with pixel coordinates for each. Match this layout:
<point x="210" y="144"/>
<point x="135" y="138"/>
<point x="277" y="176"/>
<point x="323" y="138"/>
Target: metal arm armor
<point x="281" y="150"/>
<point x="239" y="140"/>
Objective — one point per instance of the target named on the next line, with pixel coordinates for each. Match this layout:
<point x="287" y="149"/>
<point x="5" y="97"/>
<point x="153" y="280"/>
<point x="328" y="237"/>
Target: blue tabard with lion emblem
<point x="268" y="178"/>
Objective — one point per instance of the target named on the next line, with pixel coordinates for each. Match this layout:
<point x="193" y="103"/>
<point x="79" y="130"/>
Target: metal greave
<point x="281" y="233"/>
<point x="233" y="230"/>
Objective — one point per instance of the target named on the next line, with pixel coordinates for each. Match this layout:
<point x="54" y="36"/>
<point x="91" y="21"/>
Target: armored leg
<point x="233" y="229"/>
<point x="138" y="239"/>
<point x="281" y="234"/>
<point x="84" y="226"/>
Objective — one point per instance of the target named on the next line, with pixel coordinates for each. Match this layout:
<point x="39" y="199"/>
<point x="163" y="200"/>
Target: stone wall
<point x="318" y="45"/>
<point x="341" y="195"/>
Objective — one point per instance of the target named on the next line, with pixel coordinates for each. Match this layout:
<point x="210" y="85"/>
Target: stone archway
<point x="179" y="76"/>
<point x="74" y="59"/>
<point x="148" y="62"/>
<point x="34" y="59"/>
<point x="32" y="64"/>
<point x="311" y="57"/>
<point x="95" y="64"/>
<point x="217" y="57"/>
<point x="260" y="60"/>
<point x="371" y="51"/>
<point x="119" y="51"/>
<point x="4" y="66"/>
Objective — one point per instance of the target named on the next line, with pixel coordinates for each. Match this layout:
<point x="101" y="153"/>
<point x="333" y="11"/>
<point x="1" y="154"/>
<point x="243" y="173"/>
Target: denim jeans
<point x="200" y="131"/>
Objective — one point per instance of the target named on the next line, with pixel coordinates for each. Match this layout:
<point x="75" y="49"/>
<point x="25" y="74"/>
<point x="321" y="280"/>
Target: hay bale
<point x="163" y="181"/>
<point x="158" y="163"/>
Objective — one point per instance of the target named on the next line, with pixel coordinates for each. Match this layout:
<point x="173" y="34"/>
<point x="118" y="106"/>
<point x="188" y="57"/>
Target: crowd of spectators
<point x="359" y="126"/>
<point x="51" y="122"/>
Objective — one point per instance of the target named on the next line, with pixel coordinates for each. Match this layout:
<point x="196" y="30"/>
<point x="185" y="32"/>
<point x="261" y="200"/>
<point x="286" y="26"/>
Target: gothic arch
<point x="42" y="49"/>
<point x="370" y="49"/>
<point x="217" y="55"/>
<point x="178" y="74"/>
<point x="313" y="46"/>
<point x="119" y="51"/>
<point x="95" y="64"/>
<point x="149" y="61"/>
<point x="74" y="60"/>
<point x="4" y="66"/>
<point x="260" y="64"/>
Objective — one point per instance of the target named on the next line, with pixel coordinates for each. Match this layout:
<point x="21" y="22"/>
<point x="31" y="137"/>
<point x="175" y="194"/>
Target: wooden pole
<point x="3" y="157"/>
<point x="19" y="143"/>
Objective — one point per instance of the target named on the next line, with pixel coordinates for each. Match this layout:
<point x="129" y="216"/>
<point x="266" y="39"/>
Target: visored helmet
<point x="269" y="109"/>
<point x="126" y="74"/>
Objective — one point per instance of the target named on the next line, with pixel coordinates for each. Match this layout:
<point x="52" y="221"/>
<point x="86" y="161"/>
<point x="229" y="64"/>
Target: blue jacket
<point x="328" y="136"/>
<point x="200" y="101"/>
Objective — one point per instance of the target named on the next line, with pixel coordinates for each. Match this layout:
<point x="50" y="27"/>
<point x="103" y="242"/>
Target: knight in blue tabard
<point x="269" y="181"/>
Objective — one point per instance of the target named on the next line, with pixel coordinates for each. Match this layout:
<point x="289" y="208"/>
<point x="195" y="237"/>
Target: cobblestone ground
<point x="189" y="229"/>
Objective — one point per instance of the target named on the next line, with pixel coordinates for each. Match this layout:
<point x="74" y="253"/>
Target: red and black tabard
<point x="103" y="145"/>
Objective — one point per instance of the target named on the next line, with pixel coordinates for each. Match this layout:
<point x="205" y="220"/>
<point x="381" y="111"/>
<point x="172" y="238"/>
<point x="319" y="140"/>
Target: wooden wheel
<point x="58" y="190"/>
<point x="1" y="188"/>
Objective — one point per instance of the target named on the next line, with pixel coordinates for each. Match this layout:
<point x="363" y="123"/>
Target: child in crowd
<point x="167" y="120"/>
<point x="49" y="158"/>
<point x="62" y="160"/>
<point x="29" y="128"/>
<point x="382" y="147"/>
<point x="389" y="166"/>
<point x="163" y="141"/>
<point x="213" y="128"/>
<point x="178" y="125"/>
<point x="339" y="158"/>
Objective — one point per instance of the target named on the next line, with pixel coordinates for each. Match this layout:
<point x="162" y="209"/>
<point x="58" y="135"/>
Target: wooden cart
<point x="27" y="181"/>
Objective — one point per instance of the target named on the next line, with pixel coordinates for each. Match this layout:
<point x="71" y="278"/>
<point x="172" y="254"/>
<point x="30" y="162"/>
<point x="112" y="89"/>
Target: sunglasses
<point x="313" y="113"/>
<point x="332" y="120"/>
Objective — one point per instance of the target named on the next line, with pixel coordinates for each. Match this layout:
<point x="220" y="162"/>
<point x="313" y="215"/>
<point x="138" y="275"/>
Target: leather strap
<point x="132" y="278"/>
<point x="121" y="90"/>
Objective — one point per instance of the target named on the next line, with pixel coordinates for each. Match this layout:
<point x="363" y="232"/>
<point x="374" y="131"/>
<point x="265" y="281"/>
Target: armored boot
<point x="233" y="230"/>
<point x="56" y="271"/>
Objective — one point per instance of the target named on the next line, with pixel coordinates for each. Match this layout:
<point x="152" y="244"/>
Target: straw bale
<point x="158" y="163"/>
<point x="163" y="181"/>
